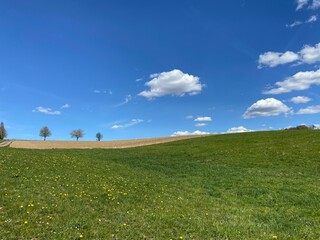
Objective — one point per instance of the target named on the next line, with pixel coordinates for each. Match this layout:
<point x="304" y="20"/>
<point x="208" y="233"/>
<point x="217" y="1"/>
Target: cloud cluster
<point x="128" y="124"/>
<point x="174" y="82"/>
<point x="308" y="54"/>
<point x="266" y="108"/>
<point x="315" y="4"/>
<point x="297" y="82"/>
<point x="187" y="133"/>
<point x="273" y="107"/>
<point x="302" y="80"/>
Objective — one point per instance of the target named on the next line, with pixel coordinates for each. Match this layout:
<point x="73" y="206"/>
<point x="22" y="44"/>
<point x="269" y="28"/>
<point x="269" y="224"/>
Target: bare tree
<point x="3" y="131"/>
<point x="77" y="133"/>
<point x="99" y="136"/>
<point x="45" y="132"/>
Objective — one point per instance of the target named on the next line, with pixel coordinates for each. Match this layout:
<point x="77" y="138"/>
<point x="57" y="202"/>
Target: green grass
<point x="240" y="186"/>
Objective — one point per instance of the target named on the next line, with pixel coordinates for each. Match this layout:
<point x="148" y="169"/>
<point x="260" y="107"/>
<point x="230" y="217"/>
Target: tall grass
<point x="243" y="186"/>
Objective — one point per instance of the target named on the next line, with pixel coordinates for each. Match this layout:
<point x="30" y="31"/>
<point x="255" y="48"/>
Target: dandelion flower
<point x="274" y="237"/>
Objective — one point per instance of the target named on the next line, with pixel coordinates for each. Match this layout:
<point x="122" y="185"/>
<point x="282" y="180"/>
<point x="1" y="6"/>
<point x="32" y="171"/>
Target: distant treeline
<point x="303" y="127"/>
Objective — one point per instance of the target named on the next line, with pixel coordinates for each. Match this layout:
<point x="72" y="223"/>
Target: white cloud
<point x="127" y="99"/>
<point x="97" y="91"/>
<point x="301" y="4"/>
<point x="48" y="111"/>
<point x="266" y="108"/>
<point x="187" y="133"/>
<point x="310" y="54"/>
<point x="315" y="4"/>
<point x="201" y="124"/>
<point x="300" y="99"/>
<point x="240" y="129"/>
<point x="65" y="106"/>
<point x="299" y="81"/>
<point x="313" y="18"/>
<point x="203" y="119"/>
<point x="294" y="24"/>
<point x="273" y="59"/>
<point x="309" y="110"/>
<point x="128" y="124"/>
<point x="174" y="82"/>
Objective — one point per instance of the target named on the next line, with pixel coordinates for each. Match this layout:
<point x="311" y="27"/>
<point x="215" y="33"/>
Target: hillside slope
<point x="239" y="186"/>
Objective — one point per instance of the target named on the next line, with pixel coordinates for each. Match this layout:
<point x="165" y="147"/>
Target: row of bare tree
<point x="45" y="132"/>
<point x="77" y="133"/>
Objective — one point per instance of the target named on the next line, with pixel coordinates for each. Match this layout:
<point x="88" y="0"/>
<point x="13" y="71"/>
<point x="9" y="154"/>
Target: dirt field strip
<point x="94" y="144"/>
<point x="5" y="143"/>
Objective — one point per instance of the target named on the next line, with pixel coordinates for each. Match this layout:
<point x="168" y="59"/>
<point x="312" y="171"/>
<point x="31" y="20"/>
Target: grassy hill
<point x="262" y="185"/>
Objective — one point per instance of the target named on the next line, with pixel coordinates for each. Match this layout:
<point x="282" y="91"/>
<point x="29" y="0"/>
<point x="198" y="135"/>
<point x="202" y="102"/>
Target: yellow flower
<point x="180" y="237"/>
<point x="274" y="237"/>
<point x="81" y="236"/>
<point x="25" y="222"/>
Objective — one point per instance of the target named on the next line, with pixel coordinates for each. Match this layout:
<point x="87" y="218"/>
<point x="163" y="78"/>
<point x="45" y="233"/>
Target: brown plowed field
<point x="94" y="144"/>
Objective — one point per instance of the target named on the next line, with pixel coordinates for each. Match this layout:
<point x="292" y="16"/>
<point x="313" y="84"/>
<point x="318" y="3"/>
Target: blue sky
<point x="137" y="69"/>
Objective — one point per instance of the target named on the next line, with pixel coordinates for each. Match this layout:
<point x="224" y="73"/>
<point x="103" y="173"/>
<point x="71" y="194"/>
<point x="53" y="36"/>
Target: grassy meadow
<point x="262" y="185"/>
